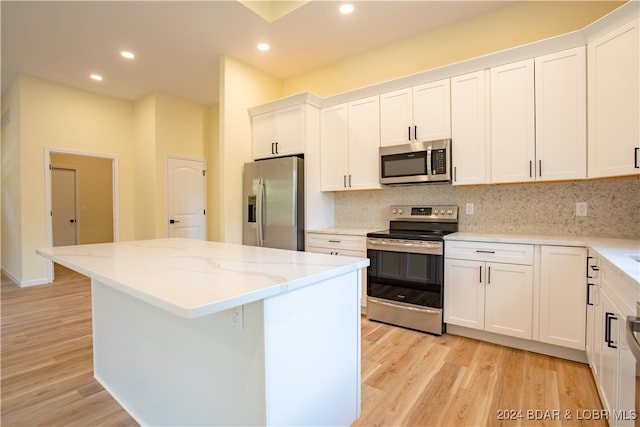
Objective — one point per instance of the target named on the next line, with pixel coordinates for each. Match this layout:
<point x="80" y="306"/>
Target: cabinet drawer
<point x="342" y="252"/>
<point x="510" y="253"/>
<point x="336" y="241"/>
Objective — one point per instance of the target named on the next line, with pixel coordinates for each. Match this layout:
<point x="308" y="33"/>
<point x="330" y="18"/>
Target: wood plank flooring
<point x="408" y="378"/>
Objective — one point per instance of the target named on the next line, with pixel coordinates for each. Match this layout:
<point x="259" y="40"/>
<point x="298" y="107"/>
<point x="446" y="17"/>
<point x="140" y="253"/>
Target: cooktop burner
<point x="420" y="223"/>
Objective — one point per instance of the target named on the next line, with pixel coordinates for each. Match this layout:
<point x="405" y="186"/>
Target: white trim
<point x="48" y="205"/>
<point x="26" y="283"/>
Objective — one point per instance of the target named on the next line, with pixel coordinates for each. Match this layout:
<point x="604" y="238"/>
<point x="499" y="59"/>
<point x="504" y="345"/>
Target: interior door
<point x="63" y="206"/>
<point x="186" y="199"/>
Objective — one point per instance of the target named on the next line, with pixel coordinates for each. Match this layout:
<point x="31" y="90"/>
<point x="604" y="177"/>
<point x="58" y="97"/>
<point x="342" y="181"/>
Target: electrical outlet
<point x="581" y="209"/>
<point x="236" y="320"/>
<point x="469" y="208"/>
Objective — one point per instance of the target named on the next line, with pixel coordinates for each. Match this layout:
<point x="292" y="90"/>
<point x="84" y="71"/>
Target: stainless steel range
<point x="406" y="274"/>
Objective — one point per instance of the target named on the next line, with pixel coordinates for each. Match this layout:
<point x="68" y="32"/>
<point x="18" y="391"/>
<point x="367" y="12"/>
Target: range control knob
<point x="400" y="211"/>
<point x="394" y="211"/>
<point x="450" y="211"/>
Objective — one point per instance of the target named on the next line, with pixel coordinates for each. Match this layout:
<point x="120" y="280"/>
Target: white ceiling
<point x="178" y="43"/>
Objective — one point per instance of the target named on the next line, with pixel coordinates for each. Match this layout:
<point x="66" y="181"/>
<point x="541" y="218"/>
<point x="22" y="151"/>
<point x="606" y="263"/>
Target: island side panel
<point x="168" y="370"/>
<point x="312" y="348"/>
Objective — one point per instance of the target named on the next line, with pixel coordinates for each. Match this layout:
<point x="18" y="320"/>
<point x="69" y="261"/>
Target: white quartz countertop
<point x="617" y="251"/>
<point x="194" y="278"/>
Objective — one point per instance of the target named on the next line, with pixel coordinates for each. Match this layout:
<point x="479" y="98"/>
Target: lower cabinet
<point x="610" y="358"/>
<point x="533" y="292"/>
<point x="340" y="244"/>
<point x="489" y="295"/>
<point x="563" y="296"/>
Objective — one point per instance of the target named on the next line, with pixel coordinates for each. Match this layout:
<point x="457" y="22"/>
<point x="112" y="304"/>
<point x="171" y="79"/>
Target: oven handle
<point x="405" y="307"/>
<point x="430" y="248"/>
<point x="633" y="325"/>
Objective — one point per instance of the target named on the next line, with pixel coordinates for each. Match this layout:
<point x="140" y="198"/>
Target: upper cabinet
<point x="512" y="122"/>
<point x="561" y="115"/>
<point x="538" y="119"/>
<point x="279" y="133"/>
<point x="420" y="113"/>
<point x="350" y="138"/>
<point x="614" y="94"/>
<point x="470" y="128"/>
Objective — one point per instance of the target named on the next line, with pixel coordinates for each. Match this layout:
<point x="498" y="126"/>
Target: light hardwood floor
<point x="408" y="378"/>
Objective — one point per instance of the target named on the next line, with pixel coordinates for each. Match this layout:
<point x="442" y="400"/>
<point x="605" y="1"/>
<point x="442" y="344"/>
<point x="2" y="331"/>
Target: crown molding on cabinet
<point x="289" y="101"/>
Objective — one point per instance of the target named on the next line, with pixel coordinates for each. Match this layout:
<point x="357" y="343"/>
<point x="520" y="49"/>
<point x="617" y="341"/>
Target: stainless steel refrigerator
<point x="273" y="197"/>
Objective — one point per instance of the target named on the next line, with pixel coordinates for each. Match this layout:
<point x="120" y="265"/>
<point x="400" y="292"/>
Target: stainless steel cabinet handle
<point x="488" y="275"/>
<point x="480" y="251"/>
<point x="344" y="181"/>
<point x="530" y="168"/>
<point x="635" y="160"/>
<point x="349" y="181"/>
<point x="276" y="147"/>
<point x="415" y="132"/>
<point x="607" y="329"/>
<point x="539" y="167"/>
<point x="589" y="285"/>
<point x="335" y="241"/>
<point x="480" y="274"/>
<point x="409" y="132"/>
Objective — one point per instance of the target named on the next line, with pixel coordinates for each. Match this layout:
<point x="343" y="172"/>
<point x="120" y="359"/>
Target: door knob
<point x="72" y="221"/>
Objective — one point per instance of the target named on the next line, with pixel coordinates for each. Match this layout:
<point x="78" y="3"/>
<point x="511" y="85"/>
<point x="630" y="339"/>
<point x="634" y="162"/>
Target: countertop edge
<point x="612" y="249"/>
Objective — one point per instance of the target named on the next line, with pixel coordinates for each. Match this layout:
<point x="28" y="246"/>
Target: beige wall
<point x="58" y="117"/>
<point x="180" y="131"/>
<point x="140" y="135"/>
<point x="212" y="154"/>
<point x="95" y="195"/>
<point x="511" y="26"/>
<point x="241" y="87"/>
<point x="11" y="184"/>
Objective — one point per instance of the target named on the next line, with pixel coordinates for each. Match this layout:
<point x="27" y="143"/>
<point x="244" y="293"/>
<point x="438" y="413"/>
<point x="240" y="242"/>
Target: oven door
<point x="408" y="272"/>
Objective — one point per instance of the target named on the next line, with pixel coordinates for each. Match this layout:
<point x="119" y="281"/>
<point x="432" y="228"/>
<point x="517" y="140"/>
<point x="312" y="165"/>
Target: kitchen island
<point x="201" y="333"/>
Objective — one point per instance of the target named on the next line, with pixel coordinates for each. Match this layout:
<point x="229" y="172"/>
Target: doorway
<point x="88" y="207"/>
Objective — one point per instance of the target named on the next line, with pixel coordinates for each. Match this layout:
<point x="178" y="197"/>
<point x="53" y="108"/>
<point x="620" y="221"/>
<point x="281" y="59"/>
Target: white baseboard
<point x="25" y="283"/>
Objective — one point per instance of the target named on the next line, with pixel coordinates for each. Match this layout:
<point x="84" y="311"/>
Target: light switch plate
<point x="469" y="208"/>
<point x="581" y="209"/>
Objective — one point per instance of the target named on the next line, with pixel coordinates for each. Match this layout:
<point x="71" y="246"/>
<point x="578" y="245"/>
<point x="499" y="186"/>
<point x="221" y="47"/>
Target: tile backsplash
<point x="613" y="207"/>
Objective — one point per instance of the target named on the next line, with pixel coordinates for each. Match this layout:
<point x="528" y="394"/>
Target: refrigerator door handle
<point x="259" y="202"/>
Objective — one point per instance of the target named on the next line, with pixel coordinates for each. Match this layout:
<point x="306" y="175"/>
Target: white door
<point x="364" y="144"/>
<point x="432" y="111"/>
<point x="186" y="200"/>
<point x="63" y="206"/>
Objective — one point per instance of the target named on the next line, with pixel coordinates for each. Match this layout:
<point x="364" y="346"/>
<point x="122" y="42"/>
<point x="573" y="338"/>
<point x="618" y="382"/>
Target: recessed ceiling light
<point x="263" y="47"/>
<point x="346" y="8"/>
<point x="127" y="54"/>
<point x="96" y="77"/>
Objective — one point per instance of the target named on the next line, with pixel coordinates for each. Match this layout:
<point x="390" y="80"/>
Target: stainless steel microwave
<point x="415" y="163"/>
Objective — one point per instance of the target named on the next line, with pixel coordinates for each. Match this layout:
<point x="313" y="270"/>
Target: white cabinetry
<point x="561" y="115"/>
<point x="279" y="133"/>
<point x="420" y="113"/>
<point x="470" y="128"/>
<point x="562" y="296"/>
<point x="350" y="139"/>
<point x="340" y="244"/>
<point x="538" y="118"/>
<point x="489" y="287"/>
<point x="612" y="362"/>
<point x="614" y="103"/>
<point x="512" y="122"/>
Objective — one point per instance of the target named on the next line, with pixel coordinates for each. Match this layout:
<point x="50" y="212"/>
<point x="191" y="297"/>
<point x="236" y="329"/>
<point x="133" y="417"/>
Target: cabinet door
<point x="464" y="293"/>
<point x="469" y="128"/>
<point x="290" y="131"/>
<point x="512" y="123"/>
<point x="561" y="115"/>
<point x="432" y="111"/>
<point x="364" y="144"/>
<point x="614" y="103"/>
<point x="334" y="147"/>
<point x="396" y="118"/>
<point x="264" y="135"/>
<point x="509" y="299"/>
<point x="610" y="342"/>
<point x="563" y="296"/>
